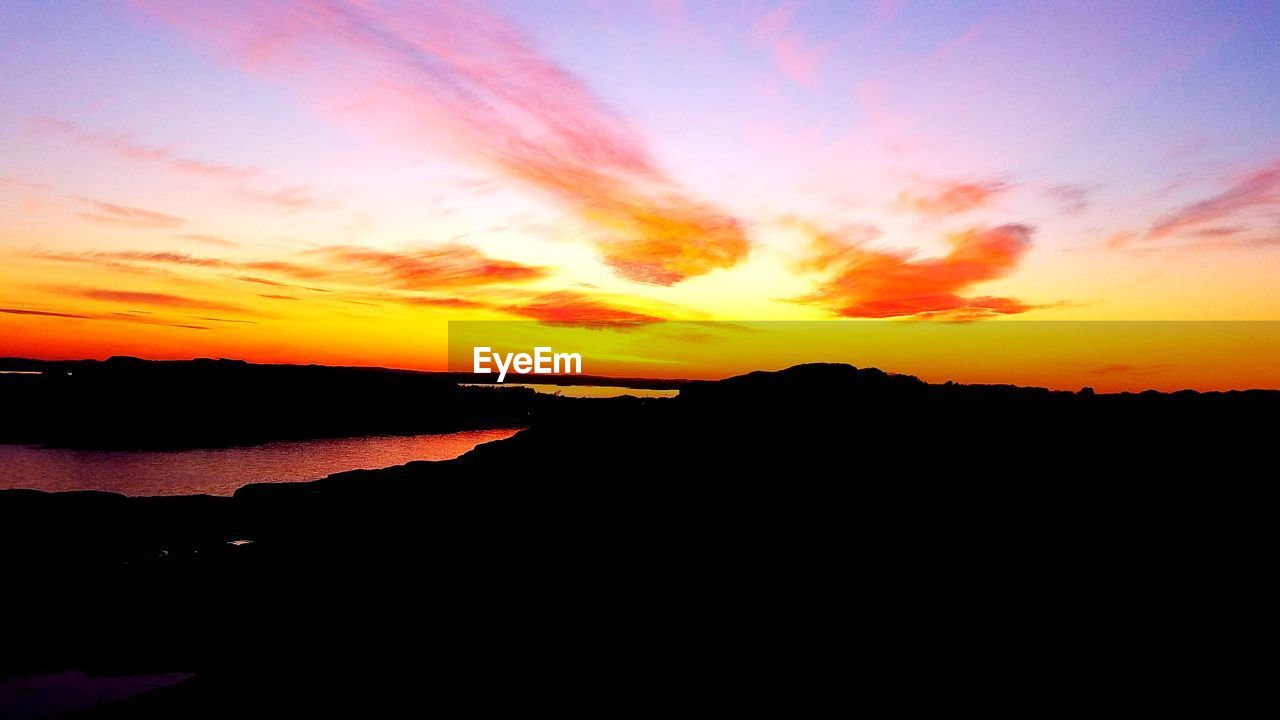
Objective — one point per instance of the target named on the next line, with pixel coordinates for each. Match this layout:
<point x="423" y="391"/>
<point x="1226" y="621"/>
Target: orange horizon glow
<point x="335" y="182"/>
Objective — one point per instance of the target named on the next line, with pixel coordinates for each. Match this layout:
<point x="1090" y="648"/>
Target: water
<point x="63" y="692"/>
<point x="223" y="471"/>
<point x="584" y="391"/>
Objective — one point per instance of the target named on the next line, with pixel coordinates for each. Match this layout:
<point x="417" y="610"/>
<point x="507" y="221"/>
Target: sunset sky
<point x="332" y="182"/>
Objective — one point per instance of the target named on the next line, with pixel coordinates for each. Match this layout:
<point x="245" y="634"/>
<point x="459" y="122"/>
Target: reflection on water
<point x="583" y="391"/>
<point x="63" y="692"/>
<point x="222" y="472"/>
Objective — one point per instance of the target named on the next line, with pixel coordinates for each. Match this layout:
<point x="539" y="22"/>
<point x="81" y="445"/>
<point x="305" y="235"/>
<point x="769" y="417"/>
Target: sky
<point x="333" y="182"/>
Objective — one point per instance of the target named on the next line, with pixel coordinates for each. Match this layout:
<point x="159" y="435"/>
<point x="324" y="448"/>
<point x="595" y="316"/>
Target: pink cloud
<point x="112" y="214"/>
<point x="952" y="197"/>
<point x="447" y="265"/>
<point x="949" y="48"/>
<point x="124" y="145"/>
<point x="794" y="54"/>
<point x="799" y="59"/>
<point x="1257" y="190"/>
<point x="291" y="197"/>
<point x="458" y="77"/>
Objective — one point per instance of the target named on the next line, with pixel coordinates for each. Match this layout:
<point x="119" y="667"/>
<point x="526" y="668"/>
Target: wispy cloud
<point x="1257" y="190"/>
<point x="43" y="313"/>
<point x="462" y="71"/>
<point x="796" y="56"/>
<point x="570" y="308"/>
<point x="112" y="214"/>
<point x="952" y="197"/>
<point x="132" y="317"/>
<point x="1073" y="199"/>
<point x="1120" y="239"/>
<point x="1219" y="231"/>
<point x="23" y="184"/>
<point x="224" y="320"/>
<point x="207" y="239"/>
<point x="877" y="283"/>
<point x="1125" y="369"/>
<point x="141" y="298"/>
<point x="125" y="145"/>
<point x="290" y="197"/>
<point x="450" y="265"/>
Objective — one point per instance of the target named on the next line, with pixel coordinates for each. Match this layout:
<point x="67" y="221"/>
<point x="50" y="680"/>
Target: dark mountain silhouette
<point x="130" y="403"/>
<point x="752" y="543"/>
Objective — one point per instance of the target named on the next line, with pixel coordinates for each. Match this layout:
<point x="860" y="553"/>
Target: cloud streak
<point x="570" y="308"/>
<point x="1260" y="189"/>
<point x="207" y="239"/>
<point x="124" y="145"/>
<point x="451" y="265"/>
<point x="796" y="57"/>
<point x="1073" y="199"/>
<point x="952" y="197"/>
<point x="142" y="298"/>
<point x="289" y="197"/>
<point x="444" y="266"/>
<point x="43" y="313"/>
<point x="116" y="316"/>
<point x="112" y="214"/>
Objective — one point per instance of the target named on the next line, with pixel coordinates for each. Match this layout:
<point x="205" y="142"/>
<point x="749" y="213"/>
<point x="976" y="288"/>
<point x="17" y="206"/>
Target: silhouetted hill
<point x="128" y="403"/>
<point x="131" y="403"/>
<point x="734" y="542"/>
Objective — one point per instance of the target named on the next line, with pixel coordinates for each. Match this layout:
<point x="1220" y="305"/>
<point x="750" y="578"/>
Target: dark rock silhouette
<point x="720" y="549"/>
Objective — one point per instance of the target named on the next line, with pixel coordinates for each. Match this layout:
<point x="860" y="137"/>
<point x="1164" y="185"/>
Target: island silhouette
<point x="618" y="552"/>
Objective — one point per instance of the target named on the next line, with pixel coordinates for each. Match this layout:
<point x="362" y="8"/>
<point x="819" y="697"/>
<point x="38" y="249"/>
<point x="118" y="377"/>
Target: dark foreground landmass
<point x="774" y="542"/>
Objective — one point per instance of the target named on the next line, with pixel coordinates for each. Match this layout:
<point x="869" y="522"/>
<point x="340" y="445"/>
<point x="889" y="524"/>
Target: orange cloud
<point x="133" y="317"/>
<point x="105" y="212"/>
<point x="171" y="258"/>
<point x="659" y="241"/>
<point x="208" y="239"/>
<point x="876" y="283"/>
<point x="443" y="266"/>
<point x="441" y="302"/>
<point x="224" y="320"/>
<point x="459" y="71"/>
<point x="570" y="308"/>
<point x="1220" y="231"/>
<point x="1121" y="239"/>
<point x="452" y="265"/>
<point x="42" y="313"/>
<point x="143" y="298"/>
<point x="952" y="197"/>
